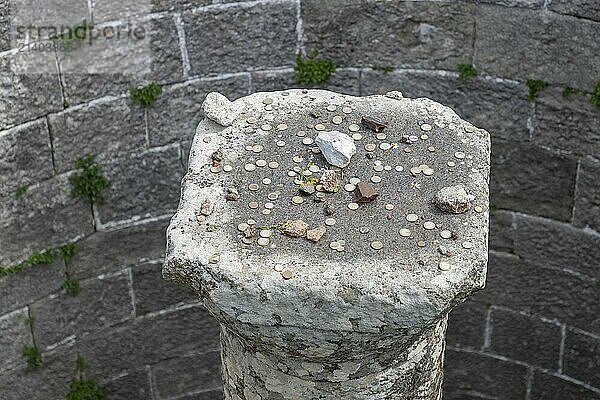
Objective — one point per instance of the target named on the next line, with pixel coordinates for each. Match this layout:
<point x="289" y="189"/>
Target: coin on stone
<point x="215" y="170"/>
<point x="467" y="245"/>
<point x="429" y="225"/>
<point x="267" y="100"/>
<point x="282" y="127"/>
<point x="280" y="143"/>
<point x="253" y="205"/>
<point x="446" y="234"/>
<point x="278" y="267"/>
<point x="298" y="159"/>
<point x="399" y="168"/>
<point x="428" y="171"/>
<point x="364" y="230"/>
<point x="478" y="209"/>
<point x="266" y="233"/>
<point x="378" y="168"/>
<point x="334" y="245"/>
<point x="319" y="127"/>
<point x="314" y="168"/>
<point x="356" y="136"/>
<point x="251" y="120"/>
<point x="331" y="107"/>
<point x="253" y="187"/>
<point x="287" y="274"/>
<point x="257" y="148"/>
<point x="451" y="163"/>
<point x="348" y="187"/>
<point x="381" y="136"/>
<point x="389" y="207"/>
<point x="426" y="127"/>
<point x="272" y="196"/>
<point x="444" y="266"/>
<point x="250" y="167"/>
<point x="377" y="245"/>
<point x="269" y="205"/>
<point x="261" y="163"/>
<point x="375" y="179"/>
<point x="297" y="200"/>
<point x="405" y="232"/>
<point x="273" y="165"/>
<point x="227" y="168"/>
<point x="412" y="217"/>
<point x="307" y="141"/>
<point x="353" y="206"/>
<point x="353" y="128"/>
<point x="330" y="221"/>
<point x="354" y="181"/>
<point x="337" y="120"/>
<point x="346" y="110"/>
<point x="385" y="146"/>
<point x="415" y="170"/>
<point x="263" y="241"/>
<point x="459" y="154"/>
<point x="242" y="226"/>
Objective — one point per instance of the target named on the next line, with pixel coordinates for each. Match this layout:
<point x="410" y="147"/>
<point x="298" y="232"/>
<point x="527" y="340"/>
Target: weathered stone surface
<point x="567" y="124"/>
<point x="136" y="54"/>
<point x="548" y="243"/>
<point x="45" y="216"/>
<point x="416" y="34"/>
<point x="520" y="181"/>
<point x="501" y="107"/>
<point x="142" y="186"/>
<point x="379" y="328"/>
<point x="149" y="341"/>
<point x="25" y="156"/>
<point x="51" y="17"/>
<point x="502" y="232"/>
<point x="110" y="251"/>
<point x="525" y="44"/>
<point x="177" y="376"/>
<point x="265" y="36"/>
<point x="29" y="88"/>
<point x="114" y="10"/>
<point x="102" y="302"/>
<point x="316" y="234"/>
<point x="548" y="387"/>
<point x="14" y="335"/>
<point x="540" y="291"/>
<point x="342" y="81"/>
<point x="586" y="213"/>
<point x="296" y="228"/>
<point x="466" y="325"/>
<point x="589" y="9"/>
<point x="524" y="338"/>
<point x="94" y="128"/>
<point x="178" y="110"/>
<point x="515" y="3"/>
<point x="473" y="376"/>
<point x="31" y="284"/>
<point x="337" y="147"/>
<point x="209" y="395"/>
<point x="365" y="192"/>
<point x="582" y="357"/>
<point x="5" y="28"/>
<point x="134" y="384"/>
<point x="153" y="293"/>
<point x="50" y="381"/>
<point x="219" y="109"/>
<point x="330" y="181"/>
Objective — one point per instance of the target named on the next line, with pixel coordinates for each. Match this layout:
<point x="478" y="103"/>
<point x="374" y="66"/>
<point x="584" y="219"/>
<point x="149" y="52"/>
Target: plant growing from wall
<point x="33" y="355"/>
<point x="84" y="389"/>
<point x="311" y="69"/>
<point x="466" y="71"/>
<point x="71" y="286"/>
<point x="20" y="191"/>
<point x="89" y="182"/>
<point x="146" y="95"/>
<point x="385" y="69"/>
<point x="594" y="96"/>
<point x="39" y="258"/>
<point x="535" y="87"/>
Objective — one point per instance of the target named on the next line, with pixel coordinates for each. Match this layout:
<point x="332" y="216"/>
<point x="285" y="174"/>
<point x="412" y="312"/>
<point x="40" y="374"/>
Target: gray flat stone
<point x="588" y="9"/>
<point x="342" y="81"/>
<point x="417" y="34"/>
<point x="14" y="335"/>
<point x="360" y="301"/>
<point x="25" y="156"/>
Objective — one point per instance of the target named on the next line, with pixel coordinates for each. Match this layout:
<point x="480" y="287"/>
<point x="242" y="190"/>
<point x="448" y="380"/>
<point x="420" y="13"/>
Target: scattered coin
<point x="307" y="141"/>
<point x="242" y="226"/>
<point x="444" y="266"/>
<point x="446" y="234"/>
<point x="478" y="209"/>
<point x="429" y="225"/>
<point x="428" y="171"/>
<point x="266" y="127"/>
<point x="266" y="233"/>
<point x="261" y="163"/>
<point x="348" y="187"/>
<point x="469" y="128"/>
<point x="375" y="179"/>
<point x="257" y="148"/>
<point x="214" y="259"/>
<point x="298" y="159"/>
<point x="377" y="245"/>
<point x="467" y="245"/>
<point x="269" y="206"/>
<point x="353" y="206"/>
<point x="426" y="127"/>
<point x="356" y="136"/>
<point x="334" y="245"/>
<point x="280" y="143"/>
<point x="253" y="186"/>
<point x="227" y="168"/>
<point x="459" y="155"/>
<point x="266" y="211"/>
<point x="337" y="120"/>
<point x="263" y="241"/>
<point x="364" y="230"/>
<point x="330" y="221"/>
<point x="247" y="240"/>
<point x="421" y="243"/>
<point x="300" y="133"/>
<point x="267" y="100"/>
<point x="331" y="107"/>
<point x="424" y="137"/>
<point x="353" y="128"/>
<point x="297" y="200"/>
<point x="253" y="205"/>
<point x="370" y="146"/>
<point x="399" y="168"/>
<point x="215" y="170"/>
<point x="273" y="165"/>
<point x="378" y="168"/>
<point x="314" y="168"/>
<point x="405" y="232"/>
<point x="287" y="274"/>
<point x="251" y="120"/>
<point x="320" y="127"/>
<point x="250" y="167"/>
<point x="272" y="196"/>
<point x="412" y="217"/>
<point x="292" y="173"/>
<point x="415" y="170"/>
<point x="282" y="127"/>
<point x="389" y="207"/>
<point x="354" y="181"/>
<point x="251" y="222"/>
<point x="381" y="136"/>
<point x="451" y="163"/>
<point x="278" y="267"/>
<point x="385" y="146"/>
<point x="346" y="110"/>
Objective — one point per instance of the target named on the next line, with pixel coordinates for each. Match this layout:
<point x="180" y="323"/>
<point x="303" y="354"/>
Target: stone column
<point x="330" y="236"/>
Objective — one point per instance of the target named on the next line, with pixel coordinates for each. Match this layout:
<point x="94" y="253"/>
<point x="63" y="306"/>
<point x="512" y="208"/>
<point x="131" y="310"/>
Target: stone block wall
<point x="532" y="334"/>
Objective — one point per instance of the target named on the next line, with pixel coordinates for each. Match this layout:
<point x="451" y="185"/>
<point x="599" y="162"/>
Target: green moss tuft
<point x="466" y="71"/>
<point x="71" y="287"/>
<point x="596" y="95"/>
<point x="312" y="70"/>
<point x="20" y="191"/>
<point x="535" y="87"/>
<point x="85" y="389"/>
<point x="33" y="355"/>
<point x="89" y="182"/>
<point x="147" y="95"/>
<point x="81" y="364"/>
<point x="67" y="251"/>
<point x="45" y="257"/>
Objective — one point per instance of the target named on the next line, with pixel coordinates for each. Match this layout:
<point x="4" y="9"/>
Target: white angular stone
<point x="337" y="147"/>
<point x="219" y="109"/>
<point x="453" y="199"/>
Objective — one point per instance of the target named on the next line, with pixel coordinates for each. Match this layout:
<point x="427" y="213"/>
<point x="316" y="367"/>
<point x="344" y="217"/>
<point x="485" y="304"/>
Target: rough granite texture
<point x="380" y="335"/>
